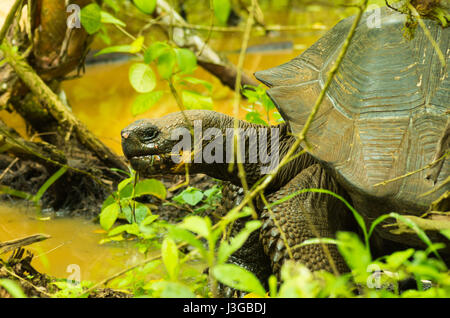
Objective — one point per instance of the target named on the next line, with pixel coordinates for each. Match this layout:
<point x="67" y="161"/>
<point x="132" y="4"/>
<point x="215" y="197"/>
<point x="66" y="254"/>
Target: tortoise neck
<point x="261" y="148"/>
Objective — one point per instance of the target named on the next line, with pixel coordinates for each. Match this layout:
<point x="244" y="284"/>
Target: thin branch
<point x="428" y="166"/>
<point x="237" y="101"/>
<point x="428" y="35"/>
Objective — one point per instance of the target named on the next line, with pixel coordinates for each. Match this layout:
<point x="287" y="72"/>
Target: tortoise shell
<point x="384" y="112"/>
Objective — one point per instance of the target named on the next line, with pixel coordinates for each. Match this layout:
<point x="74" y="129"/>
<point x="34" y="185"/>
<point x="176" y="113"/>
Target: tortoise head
<point x="148" y="144"/>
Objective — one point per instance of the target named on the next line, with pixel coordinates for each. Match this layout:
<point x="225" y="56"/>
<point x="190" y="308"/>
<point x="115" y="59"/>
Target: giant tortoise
<point x="385" y="114"/>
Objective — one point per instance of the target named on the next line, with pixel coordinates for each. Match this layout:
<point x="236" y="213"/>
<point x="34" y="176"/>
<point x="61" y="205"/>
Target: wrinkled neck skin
<point x="258" y="140"/>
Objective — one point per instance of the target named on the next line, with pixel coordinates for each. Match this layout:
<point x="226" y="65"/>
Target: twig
<point x="428" y="35"/>
<point x="430" y="165"/>
<point x="8" y="168"/>
<point x="237" y="100"/>
<point x="208" y="37"/>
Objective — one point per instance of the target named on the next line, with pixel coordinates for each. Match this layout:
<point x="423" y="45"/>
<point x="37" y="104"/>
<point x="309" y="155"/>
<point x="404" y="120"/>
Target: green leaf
<point x="165" y="289"/>
<point x="126" y="192"/>
<point x="176" y="290"/>
<point x="109" y="200"/>
<point x="144" y="102"/>
<point x="197" y="81"/>
<point x="190" y="195"/>
<point x="316" y="240"/>
<point x="142" y="78"/>
<point x="132" y="48"/>
<point x="49" y="182"/>
<point x="255" y="118"/>
<point x="106" y="17"/>
<point x="197" y="224"/>
<point x="226" y="249"/>
<point x="187" y="61"/>
<point x="129" y="228"/>
<point x="115" y="49"/>
<point x="13" y="288"/>
<point x="238" y="278"/>
<point x="395" y="260"/>
<point x="109" y="215"/>
<point x="149" y="219"/>
<point x="137" y="44"/>
<point x="91" y="17"/>
<point x="141" y="212"/>
<point x="446" y="233"/>
<point x="152" y="187"/>
<point x="222" y="9"/>
<point x="194" y="100"/>
<point x="183" y="235"/>
<point x="123" y="184"/>
<point x="16" y="193"/>
<point x="155" y="50"/>
<point x="146" y="6"/>
<point x="169" y="255"/>
<point x="273" y="288"/>
<point x="112" y="4"/>
<point x="355" y="253"/>
<point x="166" y="63"/>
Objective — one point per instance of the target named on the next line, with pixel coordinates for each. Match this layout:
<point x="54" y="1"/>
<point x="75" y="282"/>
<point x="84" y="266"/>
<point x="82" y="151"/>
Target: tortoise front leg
<point x="305" y="216"/>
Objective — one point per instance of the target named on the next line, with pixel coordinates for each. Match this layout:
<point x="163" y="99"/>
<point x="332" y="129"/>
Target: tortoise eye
<point x="149" y="135"/>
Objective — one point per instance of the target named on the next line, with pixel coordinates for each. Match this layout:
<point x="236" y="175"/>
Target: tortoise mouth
<point x="151" y="164"/>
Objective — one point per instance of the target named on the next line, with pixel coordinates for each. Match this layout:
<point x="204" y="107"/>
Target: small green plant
<point x="122" y="205"/>
<point x="257" y="97"/>
<point x="67" y="289"/>
<point x="200" y="201"/>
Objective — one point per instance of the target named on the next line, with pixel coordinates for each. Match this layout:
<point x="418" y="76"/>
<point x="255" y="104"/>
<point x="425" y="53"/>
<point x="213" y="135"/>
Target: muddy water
<point x="102" y="99"/>
<point x="73" y="247"/>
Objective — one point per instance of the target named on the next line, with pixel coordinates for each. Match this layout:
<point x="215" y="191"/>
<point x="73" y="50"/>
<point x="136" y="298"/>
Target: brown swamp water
<point x="102" y="99"/>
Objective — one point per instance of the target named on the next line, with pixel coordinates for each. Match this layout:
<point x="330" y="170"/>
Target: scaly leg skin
<point x="305" y="216"/>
